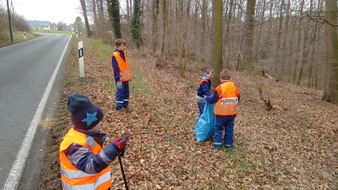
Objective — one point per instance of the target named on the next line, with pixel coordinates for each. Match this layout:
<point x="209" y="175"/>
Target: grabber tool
<point x="121" y="165"/>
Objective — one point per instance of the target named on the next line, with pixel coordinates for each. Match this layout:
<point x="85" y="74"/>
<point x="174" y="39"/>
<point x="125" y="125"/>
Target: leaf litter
<point x="293" y="146"/>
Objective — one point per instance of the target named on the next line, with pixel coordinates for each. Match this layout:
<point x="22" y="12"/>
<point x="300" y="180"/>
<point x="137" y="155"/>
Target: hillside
<point x="293" y="146"/>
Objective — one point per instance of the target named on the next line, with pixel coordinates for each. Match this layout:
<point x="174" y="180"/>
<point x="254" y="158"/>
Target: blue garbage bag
<point x="204" y="127"/>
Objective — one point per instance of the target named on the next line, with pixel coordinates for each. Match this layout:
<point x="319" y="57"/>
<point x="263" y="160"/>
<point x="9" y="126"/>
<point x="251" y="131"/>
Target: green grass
<point x="5" y="38"/>
<point x="110" y="85"/>
<point x="138" y="84"/>
<point x="105" y="49"/>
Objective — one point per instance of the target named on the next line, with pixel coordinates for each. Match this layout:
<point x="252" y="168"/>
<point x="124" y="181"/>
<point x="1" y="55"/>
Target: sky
<point x="48" y="10"/>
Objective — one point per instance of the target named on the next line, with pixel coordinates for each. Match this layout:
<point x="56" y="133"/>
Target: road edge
<point x="15" y="174"/>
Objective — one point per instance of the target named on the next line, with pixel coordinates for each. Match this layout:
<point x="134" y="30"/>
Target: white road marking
<point x="14" y="176"/>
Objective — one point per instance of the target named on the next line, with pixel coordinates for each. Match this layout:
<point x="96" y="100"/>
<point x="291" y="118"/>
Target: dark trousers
<point x="122" y="96"/>
<point x="227" y="123"/>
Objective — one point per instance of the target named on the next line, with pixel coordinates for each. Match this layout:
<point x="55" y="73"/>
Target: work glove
<point x="120" y="145"/>
<point x="119" y="85"/>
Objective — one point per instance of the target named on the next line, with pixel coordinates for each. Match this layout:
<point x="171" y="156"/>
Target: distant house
<point x="39" y="25"/>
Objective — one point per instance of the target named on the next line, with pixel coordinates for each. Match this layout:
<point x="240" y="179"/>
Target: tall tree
<point x="203" y="24"/>
<point x="216" y="59"/>
<point x="249" y="29"/>
<point x="84" y="10"/>
<point x="154" y="28"/>
<point x="96" y="23"/>
<point x="136" y="25"/>
<point x="114" y="14"/>
<point x="165" y="25"/>
<point x="332" y="48"/>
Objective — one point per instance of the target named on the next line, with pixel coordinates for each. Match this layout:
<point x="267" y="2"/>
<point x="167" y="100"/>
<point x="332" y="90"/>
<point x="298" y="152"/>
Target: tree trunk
<point x="217" y="39"/>
<point x="250" y="29"/>
<point x="332" y="49"/>
<point x="154" y="27"/>
<point x="84" y="10"/>
<point x="114" y="14"/>
<point x="298" y="42"/>
<point x="278" y="39"/>
<point x="165" y="22"/>
<point x="286" y="38"/>
<point x="136" y="26"/>
<point x="95" y="18"/>
<point x="203" y="25"/>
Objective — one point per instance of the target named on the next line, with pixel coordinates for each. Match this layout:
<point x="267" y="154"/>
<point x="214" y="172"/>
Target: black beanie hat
<point x="85" y="115"/>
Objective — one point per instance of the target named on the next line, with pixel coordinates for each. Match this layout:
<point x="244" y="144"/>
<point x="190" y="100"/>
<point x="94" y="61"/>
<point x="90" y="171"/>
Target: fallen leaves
<point x="293" y="146"/>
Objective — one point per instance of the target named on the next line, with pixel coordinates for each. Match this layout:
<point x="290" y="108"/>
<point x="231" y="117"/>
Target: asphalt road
<point x="30" y="74"/>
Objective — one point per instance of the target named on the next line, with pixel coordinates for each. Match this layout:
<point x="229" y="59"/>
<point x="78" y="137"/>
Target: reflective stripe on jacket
<point x="73" y="178"/>
<point x="228" y="102"/>
<point x="125" y="74"/>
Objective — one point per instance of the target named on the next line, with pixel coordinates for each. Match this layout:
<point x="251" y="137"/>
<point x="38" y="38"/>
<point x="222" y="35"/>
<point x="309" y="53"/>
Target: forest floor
<point x="292" y="146"/>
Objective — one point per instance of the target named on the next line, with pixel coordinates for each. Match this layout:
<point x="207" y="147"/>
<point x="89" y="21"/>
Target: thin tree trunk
<point x="286" y="38"/>
<point x="217" y="39"/>
<point x="250" y="30"/>
<point x="164" y="33"/>
<point x="95" y="18"/>
<point x="203" y="25"/>
<point x="260" y="30"/>
<point x="154" y="27"/>
<point x="196" y="26"/>
<point x="279" y="37"/>
<point x="298" y="42"/>
<point x="84" y="10"/>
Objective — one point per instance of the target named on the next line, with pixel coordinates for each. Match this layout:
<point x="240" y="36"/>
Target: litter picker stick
<point x="122" y="170"/>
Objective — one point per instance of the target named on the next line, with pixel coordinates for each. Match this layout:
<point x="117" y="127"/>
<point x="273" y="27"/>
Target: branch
<point x="322" y="20"/>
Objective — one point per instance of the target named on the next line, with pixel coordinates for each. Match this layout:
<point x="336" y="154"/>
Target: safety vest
<point x="228" y="103"/>
<point x="125" y="74"/>
<point x="203" y="80"/>
<point x="75" y="179"/>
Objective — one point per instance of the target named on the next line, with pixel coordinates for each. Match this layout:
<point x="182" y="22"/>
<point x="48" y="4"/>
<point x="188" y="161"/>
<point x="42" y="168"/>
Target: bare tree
<point x="84" y="11"/>
<point x="165" y="23"/>
<point x="154" y="28"/>
<point x="217" y="38"/>
<point x="332" y="49"/>
<point x="249" y="29"/>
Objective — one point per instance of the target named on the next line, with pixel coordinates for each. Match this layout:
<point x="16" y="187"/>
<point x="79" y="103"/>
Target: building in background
<point x="39" y="25"/>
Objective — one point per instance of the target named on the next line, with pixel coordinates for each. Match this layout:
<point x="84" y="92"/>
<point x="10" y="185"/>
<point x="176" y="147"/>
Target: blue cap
<point x="85" y="115"/>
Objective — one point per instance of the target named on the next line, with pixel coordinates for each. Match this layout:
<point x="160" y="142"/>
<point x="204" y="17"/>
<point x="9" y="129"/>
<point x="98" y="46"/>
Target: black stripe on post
<point x="80" y="52"/>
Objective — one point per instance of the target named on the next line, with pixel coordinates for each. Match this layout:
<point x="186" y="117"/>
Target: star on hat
<point x="90" y="118"/>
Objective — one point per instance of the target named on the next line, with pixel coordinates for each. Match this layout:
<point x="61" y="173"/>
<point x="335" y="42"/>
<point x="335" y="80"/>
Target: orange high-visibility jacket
<point x="228" y="102"/>
<point x="73" y="178"/>
<point x="125" y="74"/>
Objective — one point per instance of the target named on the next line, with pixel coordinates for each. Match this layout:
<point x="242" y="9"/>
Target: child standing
<point x="122" y="74"/>
<point x="204" y="89"/>
<point x="83" y="159"/>
<point x="226" y="96"/>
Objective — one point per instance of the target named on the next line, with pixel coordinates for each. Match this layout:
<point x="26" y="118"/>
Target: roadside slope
<point x="291" y="146"/>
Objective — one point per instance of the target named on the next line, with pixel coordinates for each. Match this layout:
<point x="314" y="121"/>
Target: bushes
<point x="19" y="25"/>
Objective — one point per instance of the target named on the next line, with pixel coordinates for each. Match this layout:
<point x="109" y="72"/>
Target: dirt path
<point x="293" y="146"/>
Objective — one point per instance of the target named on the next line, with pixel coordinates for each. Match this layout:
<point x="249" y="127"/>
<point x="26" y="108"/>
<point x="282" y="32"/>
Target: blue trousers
<point x="227" y="123"/>
<point x="201" y="108"/>
<point x="122" y="96"/>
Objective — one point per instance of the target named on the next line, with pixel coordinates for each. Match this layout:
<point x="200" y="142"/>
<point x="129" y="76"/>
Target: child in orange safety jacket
<point x="122" y="74"/>
<point x="84" y="161"/>
<point x="226" y="98"/>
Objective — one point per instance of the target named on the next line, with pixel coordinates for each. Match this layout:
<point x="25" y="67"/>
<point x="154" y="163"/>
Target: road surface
<point x="30" y="75"/>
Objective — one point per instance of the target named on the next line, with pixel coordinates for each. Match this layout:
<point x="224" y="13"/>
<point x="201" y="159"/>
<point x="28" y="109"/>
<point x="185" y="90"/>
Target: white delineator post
<point x="81" y="59"/>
